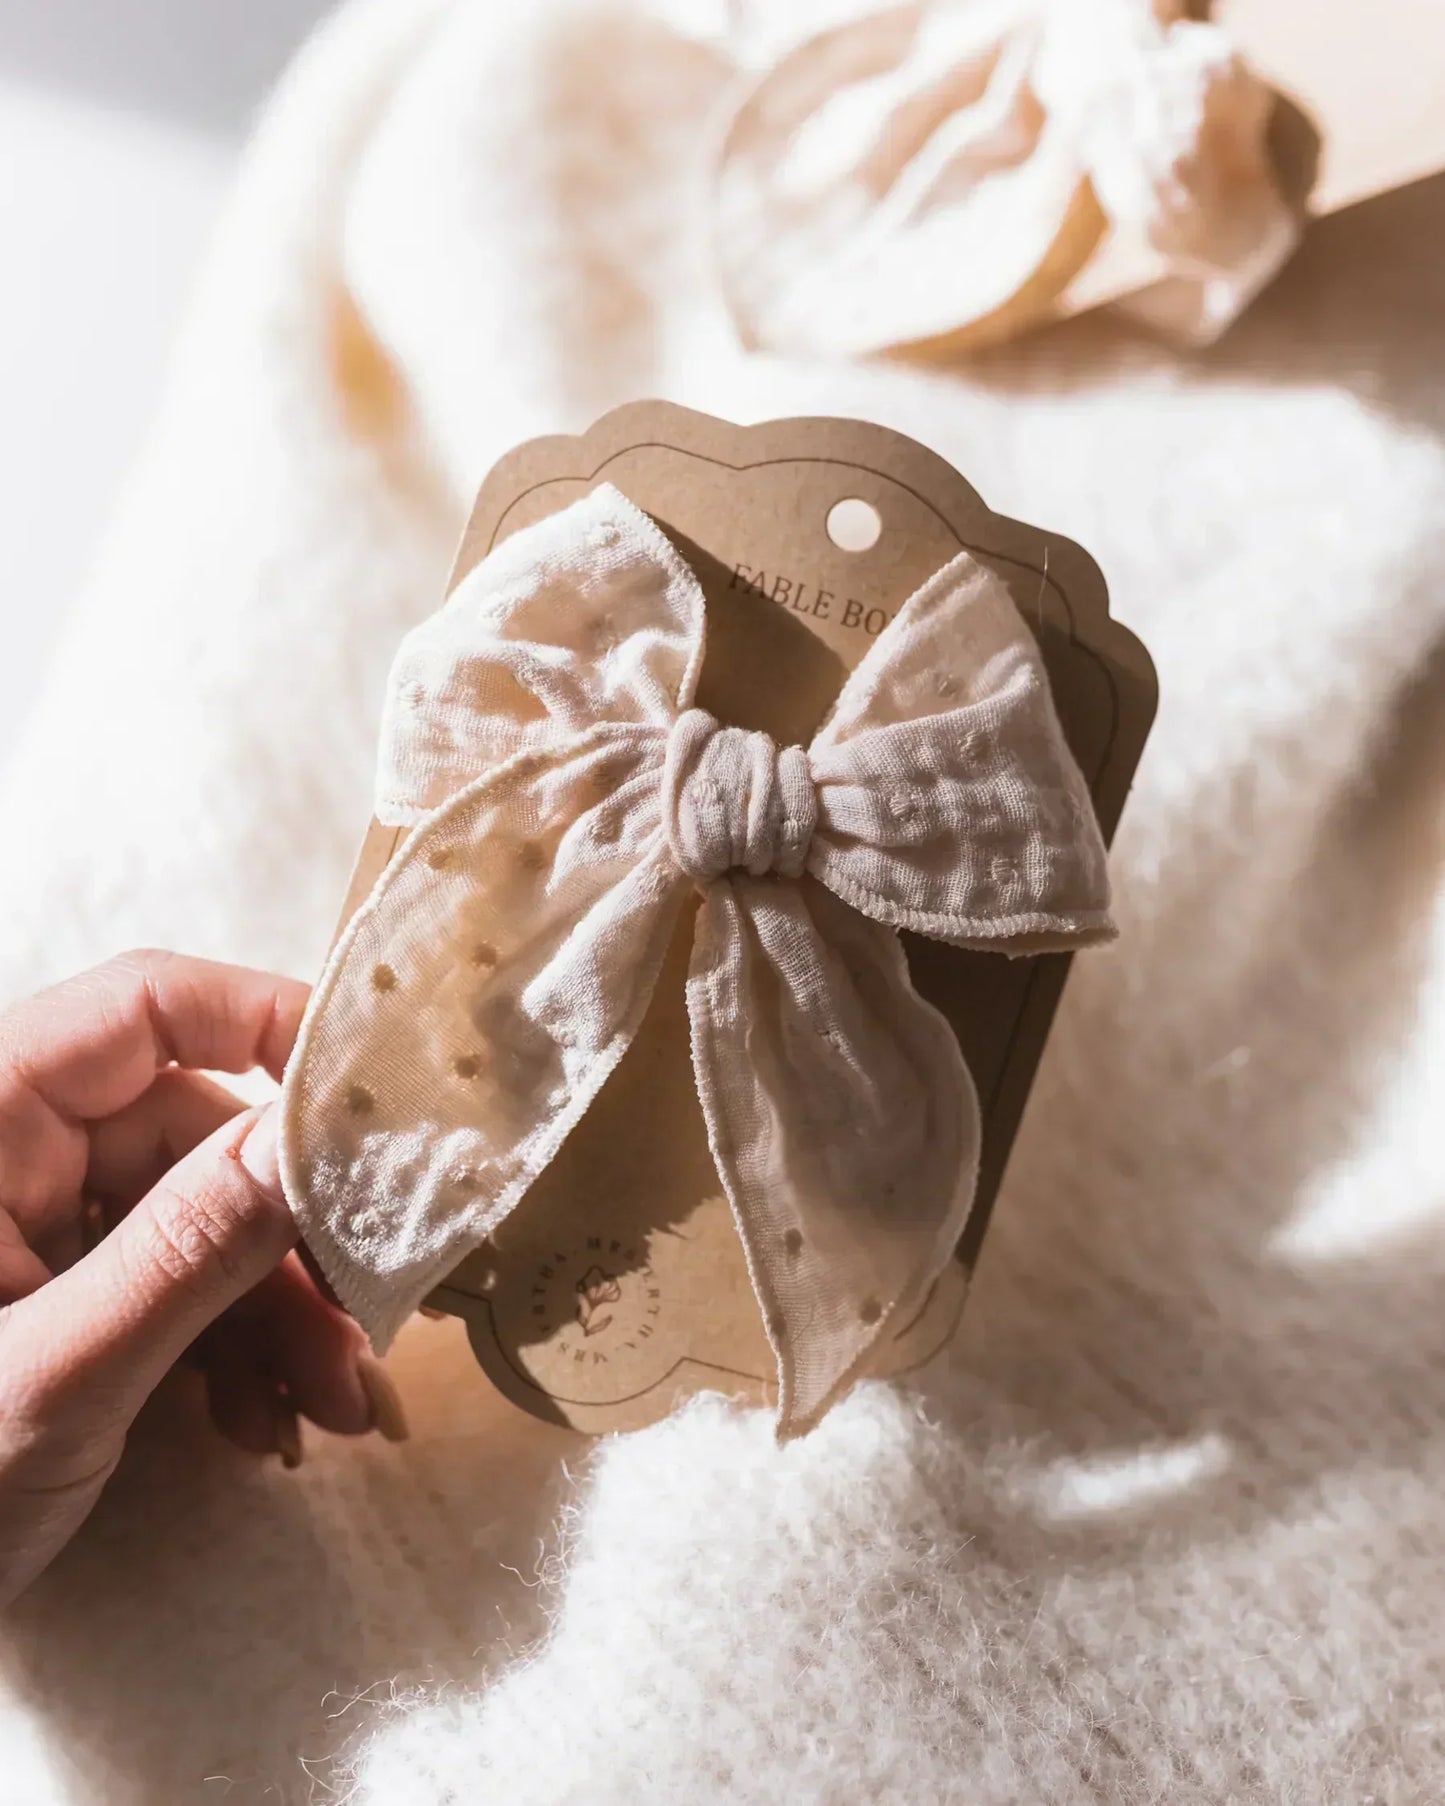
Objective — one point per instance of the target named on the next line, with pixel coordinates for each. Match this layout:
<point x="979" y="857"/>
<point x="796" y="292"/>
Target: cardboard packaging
<point x="618" y="1287"/>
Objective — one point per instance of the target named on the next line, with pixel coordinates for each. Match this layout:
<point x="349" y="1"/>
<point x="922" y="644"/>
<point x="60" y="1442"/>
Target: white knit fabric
<point x="1165" y="1523"/>
<point x="568" y="798"/>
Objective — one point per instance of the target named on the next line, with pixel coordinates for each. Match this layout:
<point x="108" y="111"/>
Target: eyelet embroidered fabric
<point x="566" y="797"/>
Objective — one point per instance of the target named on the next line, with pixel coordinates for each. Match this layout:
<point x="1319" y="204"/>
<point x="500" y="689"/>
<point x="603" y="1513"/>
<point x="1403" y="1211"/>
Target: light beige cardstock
<point x="618" y="1287"/>
<point x="1359" y="109"/>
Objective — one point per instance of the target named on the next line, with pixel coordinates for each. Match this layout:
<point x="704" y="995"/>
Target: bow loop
<point x="549" y="636"/>
<point x="949" y="802"/>
<point x="734" y="800"/>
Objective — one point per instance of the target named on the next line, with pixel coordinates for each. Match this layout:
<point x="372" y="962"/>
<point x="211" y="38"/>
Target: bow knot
<point x="733" y="800"/>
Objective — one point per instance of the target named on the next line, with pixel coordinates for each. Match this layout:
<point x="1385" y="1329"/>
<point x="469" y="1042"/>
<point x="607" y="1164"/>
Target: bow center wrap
<point x="565" y="794"/>
<point x="732" y="799"/>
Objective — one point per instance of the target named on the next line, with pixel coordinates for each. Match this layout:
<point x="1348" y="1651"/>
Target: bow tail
<point x="842" y="1120"/>
<point x="471" y="1012"/>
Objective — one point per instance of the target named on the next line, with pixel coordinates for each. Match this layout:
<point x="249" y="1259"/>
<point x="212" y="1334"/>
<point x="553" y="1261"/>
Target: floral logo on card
<point x="595" y="1291"/>
<point x="595" y="1303"/>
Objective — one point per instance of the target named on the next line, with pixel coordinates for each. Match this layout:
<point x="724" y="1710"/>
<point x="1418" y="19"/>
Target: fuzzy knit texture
<point x="1164" y="1524"/>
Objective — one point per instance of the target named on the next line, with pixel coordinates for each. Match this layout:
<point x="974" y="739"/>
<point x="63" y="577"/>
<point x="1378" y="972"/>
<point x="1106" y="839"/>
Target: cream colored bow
<point x="567" y="797"/>
<point x="942" y="171"/>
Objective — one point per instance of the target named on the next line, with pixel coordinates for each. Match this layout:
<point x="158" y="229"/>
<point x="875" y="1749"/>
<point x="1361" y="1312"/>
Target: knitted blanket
<point x="1164" y="1523"/>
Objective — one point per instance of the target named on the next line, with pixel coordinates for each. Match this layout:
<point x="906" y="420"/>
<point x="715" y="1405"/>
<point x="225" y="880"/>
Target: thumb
<point x="214" y="1227"/>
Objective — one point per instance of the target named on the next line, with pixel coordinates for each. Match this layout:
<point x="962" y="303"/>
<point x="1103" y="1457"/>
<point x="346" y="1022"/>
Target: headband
<point x="942" y="170"/>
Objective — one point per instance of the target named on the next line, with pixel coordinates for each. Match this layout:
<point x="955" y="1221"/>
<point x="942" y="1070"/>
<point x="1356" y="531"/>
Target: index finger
<point x="90" y="1046"/>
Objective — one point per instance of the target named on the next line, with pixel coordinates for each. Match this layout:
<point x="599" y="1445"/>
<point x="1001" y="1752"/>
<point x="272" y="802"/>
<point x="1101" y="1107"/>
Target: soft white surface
<point x="102" y="217"/>
<point x="1165" y="1524"/>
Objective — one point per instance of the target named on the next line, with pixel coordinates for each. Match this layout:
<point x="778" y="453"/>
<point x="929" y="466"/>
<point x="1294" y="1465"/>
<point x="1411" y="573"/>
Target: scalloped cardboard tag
<point x="618" y="1287"/>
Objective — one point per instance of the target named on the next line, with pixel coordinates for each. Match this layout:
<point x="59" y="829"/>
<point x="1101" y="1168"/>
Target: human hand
<point x="141" y="1217"/>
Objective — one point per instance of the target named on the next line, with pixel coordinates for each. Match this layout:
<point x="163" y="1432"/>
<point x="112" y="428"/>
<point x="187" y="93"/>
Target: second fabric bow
<point x="566" y="799"/>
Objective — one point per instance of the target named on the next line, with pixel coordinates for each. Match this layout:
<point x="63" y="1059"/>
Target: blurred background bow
<point x="938" y="174"/>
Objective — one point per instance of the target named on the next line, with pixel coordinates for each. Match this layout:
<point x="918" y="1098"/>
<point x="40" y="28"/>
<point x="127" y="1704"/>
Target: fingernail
<point x="388" y="1414"/>
<point x="288" y="1436"/>
<point x="430" y="1312"/>
<point x="259" y="1153"/>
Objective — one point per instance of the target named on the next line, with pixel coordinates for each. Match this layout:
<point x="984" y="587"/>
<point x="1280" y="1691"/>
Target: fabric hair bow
<point x="566" y="799"/>
<point x="943" y="170"/>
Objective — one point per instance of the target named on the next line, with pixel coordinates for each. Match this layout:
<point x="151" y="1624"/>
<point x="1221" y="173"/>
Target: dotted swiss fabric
<point x="565" y="795"/>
